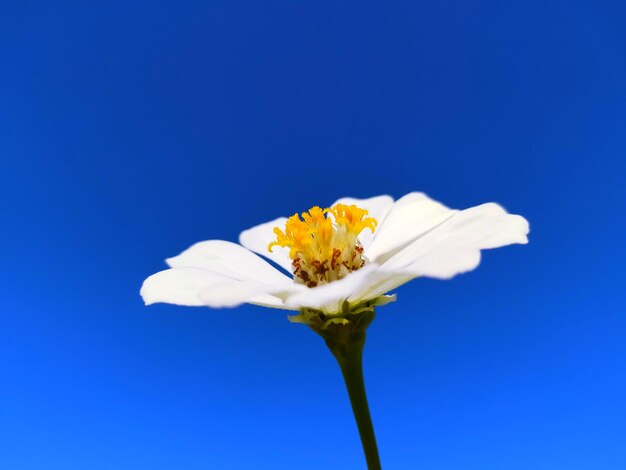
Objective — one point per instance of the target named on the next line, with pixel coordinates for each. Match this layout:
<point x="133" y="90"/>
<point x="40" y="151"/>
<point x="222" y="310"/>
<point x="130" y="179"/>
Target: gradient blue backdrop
<point x="130" y="130"/>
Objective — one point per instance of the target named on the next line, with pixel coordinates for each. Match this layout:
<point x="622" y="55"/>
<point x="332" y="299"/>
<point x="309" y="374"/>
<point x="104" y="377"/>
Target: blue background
<point x="130" y="130"/>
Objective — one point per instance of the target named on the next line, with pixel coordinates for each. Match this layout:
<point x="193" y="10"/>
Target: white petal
<point x="377" y="207"/>
<point x="199" y="287"/>
<point x="364" y="284"/>
<point x="454" y="246"/>
<point x="410" y="217"/>
<point x="230" y="293"/>
<point x="269" y="300"/>
<point x="259" y="237"/>
<point x="329" y="297"/>
<point x="379" y="282"/>
<point x="217" y="273"/>
<point x="178" y="286"/>
<point x="231" y="260"/>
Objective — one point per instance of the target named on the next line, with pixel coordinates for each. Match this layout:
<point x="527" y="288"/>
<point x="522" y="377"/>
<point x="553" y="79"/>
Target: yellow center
<point x="323" y="244"/>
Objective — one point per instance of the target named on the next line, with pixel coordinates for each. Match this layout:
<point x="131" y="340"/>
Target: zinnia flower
<point x="335" y="265"/>
<point x="336" y="259"/>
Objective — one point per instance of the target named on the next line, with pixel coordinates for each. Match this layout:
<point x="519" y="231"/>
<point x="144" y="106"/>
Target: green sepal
<point x="319" y="320"/>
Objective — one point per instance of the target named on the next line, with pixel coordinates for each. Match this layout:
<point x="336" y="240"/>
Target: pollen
<point x="323" y="243"/>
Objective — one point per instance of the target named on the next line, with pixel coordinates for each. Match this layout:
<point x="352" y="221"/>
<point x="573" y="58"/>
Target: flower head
<point x="323" y="245"/>
<point x="338" y="259"/>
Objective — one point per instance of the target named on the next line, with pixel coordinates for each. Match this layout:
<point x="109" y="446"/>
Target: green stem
<point x="349" y="356"/>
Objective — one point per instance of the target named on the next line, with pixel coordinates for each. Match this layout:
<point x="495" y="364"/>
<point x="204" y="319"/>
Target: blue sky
<point x="129" y="131"/>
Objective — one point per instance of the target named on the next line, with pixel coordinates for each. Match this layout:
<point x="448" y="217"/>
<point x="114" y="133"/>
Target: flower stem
<point x="349" y="356"/>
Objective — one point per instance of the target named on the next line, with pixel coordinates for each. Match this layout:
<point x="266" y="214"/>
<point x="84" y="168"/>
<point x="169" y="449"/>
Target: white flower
<point x="340" y="257"/>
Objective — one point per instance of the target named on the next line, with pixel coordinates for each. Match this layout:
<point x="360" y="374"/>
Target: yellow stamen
<point x="323" y="244"/>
